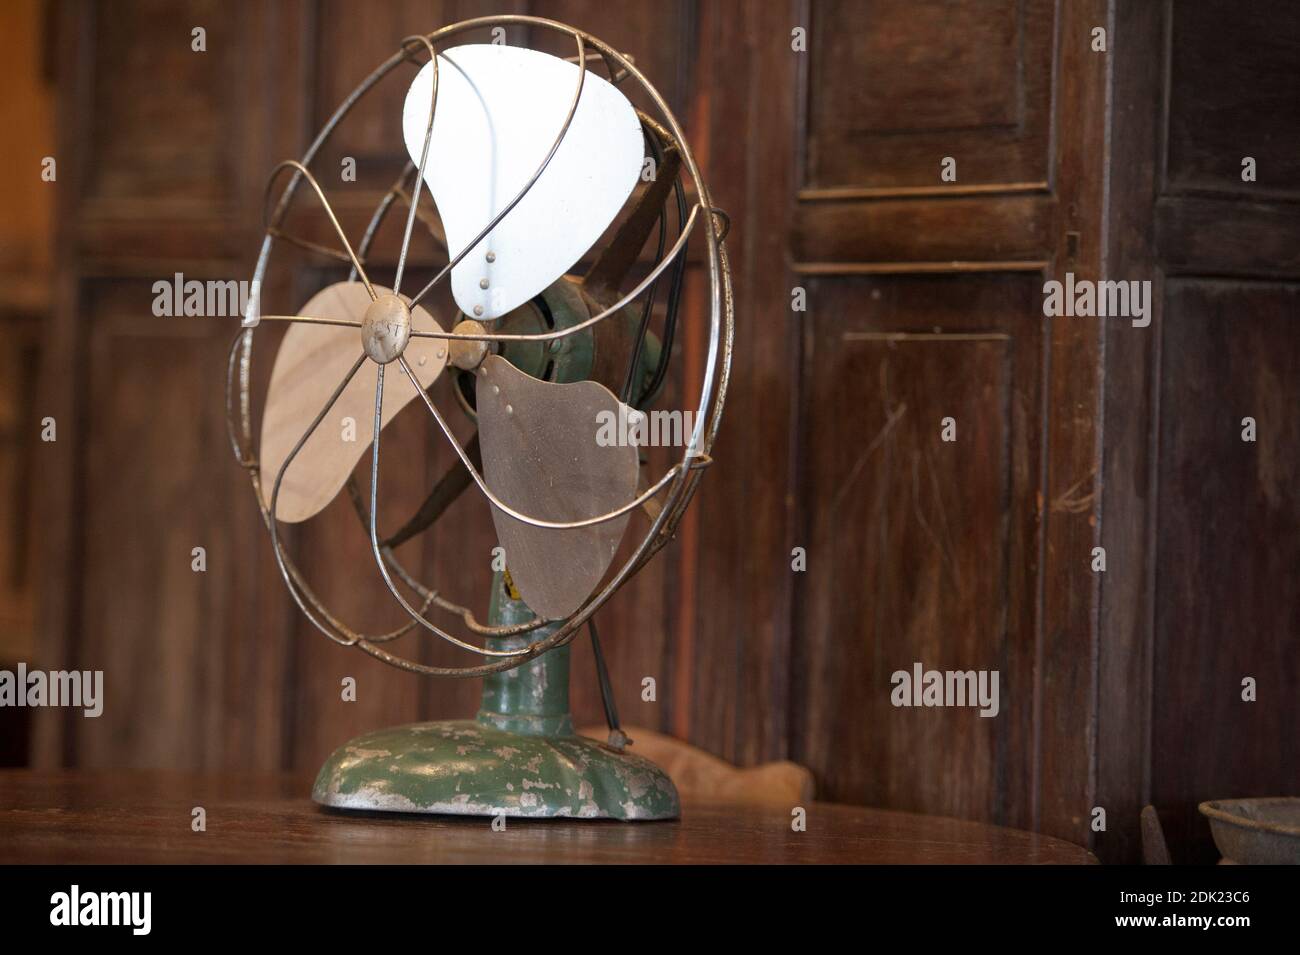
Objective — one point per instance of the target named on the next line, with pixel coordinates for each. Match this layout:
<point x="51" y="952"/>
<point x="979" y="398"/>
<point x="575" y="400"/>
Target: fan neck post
<point x="532" y="699"/>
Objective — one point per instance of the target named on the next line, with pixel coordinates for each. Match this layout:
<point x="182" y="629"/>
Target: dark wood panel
<point x="26" y="204"/>
<point x="1227" y="598"/>
<point x="1128" y="484"/>
<point x="1069" y="499"/>
<point x="132" y="241"/>
<point x="1167" y="731"/>
<point x="1224" y="543"/>
<point x="20" y="444"/>
<point x="57" y="547"/>
<point x="897" y="85"/>
<point x="968" y="53"/>
<point x="919" y="550"/>
<point x="173" y="147"/>
<point x="1196" y="235"/>
<point x="732" y="653"/>
<point x="1232" y="94"/>
<point x="178" y="176"/>
<point x="969" y="229"/>
<point x="157" y="628"/>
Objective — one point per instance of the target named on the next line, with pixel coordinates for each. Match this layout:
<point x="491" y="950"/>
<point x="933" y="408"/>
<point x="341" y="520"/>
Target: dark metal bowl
<point x="1256" y="831"/>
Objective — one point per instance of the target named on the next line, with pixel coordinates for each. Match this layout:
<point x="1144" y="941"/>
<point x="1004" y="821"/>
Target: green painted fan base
<point x="519" y="757"/>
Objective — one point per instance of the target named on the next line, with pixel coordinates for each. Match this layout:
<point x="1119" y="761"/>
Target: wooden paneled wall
<point x="26" y="212"/>
<point x="1207" y="521"/>
<point x="925" y="305"/>
<point x="924" y="301"/>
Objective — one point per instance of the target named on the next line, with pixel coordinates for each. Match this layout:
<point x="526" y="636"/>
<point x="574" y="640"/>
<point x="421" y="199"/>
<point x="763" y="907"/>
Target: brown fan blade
<point x="311" y="362"/>
<point x="607" y="274"/>
<point x="542" y="458"/>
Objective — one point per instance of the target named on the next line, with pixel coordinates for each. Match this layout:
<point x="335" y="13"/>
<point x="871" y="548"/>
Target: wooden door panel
<point x="1223" y="590"/>
<point x="162" y="631"/>
<point x="919" y="550"/>
<point x="1227" y="599"/>
<point x="895" y="86"/>
<point x="1011" y="232"/>
<point x="1231" y="79"/>
<point x="145" y="147"/>
<point x="957" y="260"/>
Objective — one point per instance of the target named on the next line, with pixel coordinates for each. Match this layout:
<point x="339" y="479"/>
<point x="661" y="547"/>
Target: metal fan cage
<point x="677" y="485"/>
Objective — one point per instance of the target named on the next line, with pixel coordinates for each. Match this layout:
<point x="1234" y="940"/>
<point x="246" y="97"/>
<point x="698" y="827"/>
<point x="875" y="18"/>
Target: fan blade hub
<point x="386" y="329"/>
<point x="308" y="366"/>
<point x="468" y="353"/>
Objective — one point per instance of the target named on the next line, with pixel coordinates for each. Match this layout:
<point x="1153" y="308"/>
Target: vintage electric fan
<point x="530" y="160"/>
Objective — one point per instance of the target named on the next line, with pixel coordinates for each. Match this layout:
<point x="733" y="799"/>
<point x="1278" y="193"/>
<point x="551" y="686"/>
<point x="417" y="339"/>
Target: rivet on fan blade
<point x="478" y="309"/>
<point x="482" y="283"/>
<point x="491" y="256"/>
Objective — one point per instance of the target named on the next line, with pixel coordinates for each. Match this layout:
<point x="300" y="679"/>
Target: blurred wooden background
<point x="924" y="301"/>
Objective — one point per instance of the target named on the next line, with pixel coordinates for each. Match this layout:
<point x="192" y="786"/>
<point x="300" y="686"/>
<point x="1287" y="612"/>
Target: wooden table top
<point x="105" y="816"/>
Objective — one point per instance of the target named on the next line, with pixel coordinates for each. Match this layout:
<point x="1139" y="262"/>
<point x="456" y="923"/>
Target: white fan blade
<point x="498" y="113"/>
<point x="542" y="458"/>
<point x="311" y="362"/>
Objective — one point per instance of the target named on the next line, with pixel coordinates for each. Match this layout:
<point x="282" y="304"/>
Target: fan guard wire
<point x="681" y="479"/>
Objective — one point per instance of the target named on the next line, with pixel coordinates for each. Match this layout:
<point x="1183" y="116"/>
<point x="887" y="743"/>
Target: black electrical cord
<point x="674" y="299"/>
<point x="617" y="738"/>
<point x="656" y="150"/>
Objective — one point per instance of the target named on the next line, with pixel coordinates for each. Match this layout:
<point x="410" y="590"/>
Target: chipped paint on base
<point x="519" y="758"/>
<point x="463" y="767"/>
